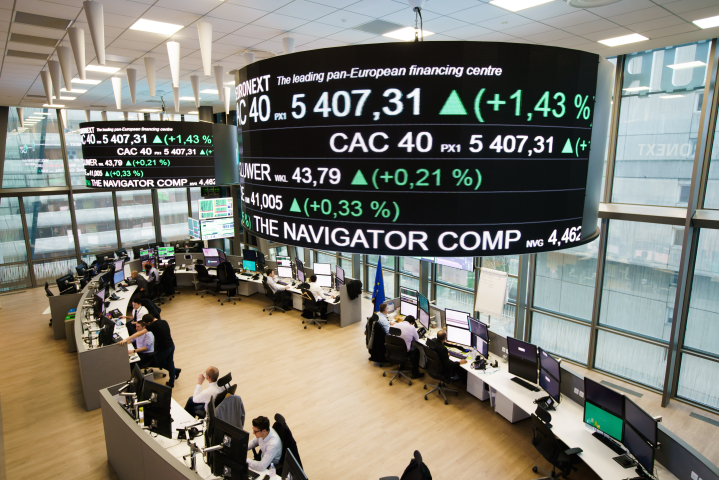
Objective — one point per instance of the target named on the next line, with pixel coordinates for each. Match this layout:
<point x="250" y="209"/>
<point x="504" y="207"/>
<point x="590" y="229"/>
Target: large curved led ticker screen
<point x="431" y="149"/>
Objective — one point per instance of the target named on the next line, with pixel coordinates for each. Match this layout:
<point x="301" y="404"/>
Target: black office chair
<point x="288" y="442"/>
<point x="434" y="370"/>
<point x="49" y="294"/>
<point x="153" y="364"/>
<point x="396" y="353"/>
<point x="554" y="451"/>
<point x="272" y="296"/>
<point x="310" y="307"/>
<point x="166" y="288"/>
<point x="416" y="470"/>
<point x="228" y="281"/>
<point x="205" y="279"/>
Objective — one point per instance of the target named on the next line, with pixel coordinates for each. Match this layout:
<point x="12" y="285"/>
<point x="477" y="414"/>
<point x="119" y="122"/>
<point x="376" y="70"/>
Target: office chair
<point x="167" y="282"/>
<point x="205" y="279"/>
<point x="231" y="411"/>
<point x="396" y="352"/>
<point x="554" y="451"/>
<point x="153" y="364"/>
<point x="310" y="305"/>
<point x="227" y="282"/>
<point x="416" y="470"/>
<point x="272" y="296"/>
<point x="49" y="294"/>
<point x="288" y="442"/>
<point x="434" y="369"/>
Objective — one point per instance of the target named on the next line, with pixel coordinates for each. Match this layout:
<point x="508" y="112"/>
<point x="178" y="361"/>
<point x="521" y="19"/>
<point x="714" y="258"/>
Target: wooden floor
<point x="346" y="419"/>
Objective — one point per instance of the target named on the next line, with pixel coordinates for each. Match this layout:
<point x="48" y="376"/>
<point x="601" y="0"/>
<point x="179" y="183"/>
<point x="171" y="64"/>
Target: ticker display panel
<point x="147" y="154"/>
<point x="431" y="149"/>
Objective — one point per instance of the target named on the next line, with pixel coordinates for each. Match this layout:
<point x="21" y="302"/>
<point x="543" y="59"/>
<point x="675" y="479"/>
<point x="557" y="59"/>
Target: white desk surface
<point x="121" y="305"/>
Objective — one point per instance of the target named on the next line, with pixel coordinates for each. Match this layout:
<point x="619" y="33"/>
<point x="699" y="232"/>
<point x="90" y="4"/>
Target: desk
<point x="135" y="455"/>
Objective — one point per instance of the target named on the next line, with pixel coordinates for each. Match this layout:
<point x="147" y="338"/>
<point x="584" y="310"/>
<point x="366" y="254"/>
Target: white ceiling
<point x="260" y="25"/>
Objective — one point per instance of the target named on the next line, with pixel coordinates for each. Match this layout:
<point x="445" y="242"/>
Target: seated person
<point x="409" y="333"/>
<point x="200" y="399"/>
<point x="449" y="367"/>
<point x="152" y="274"/>
<point x="144" y="346"/>
<point x="142" y="286"/>
<point x="281" y="291"/>
<point x="319" y="297"/>
<point x="269" y="442"/>
<point x="382" y="318"/>
<point x="138" y="311"/>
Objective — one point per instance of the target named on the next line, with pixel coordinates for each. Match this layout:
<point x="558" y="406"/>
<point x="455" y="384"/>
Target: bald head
<point x="134" y="274"/>
<point x="441" y="336"/>
<point x="212" y="374"/>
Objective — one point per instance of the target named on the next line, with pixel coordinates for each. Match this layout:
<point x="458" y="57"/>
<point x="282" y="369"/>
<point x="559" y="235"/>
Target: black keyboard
<point x="526" y="385"/>
<point x="252" y="475"/>
<point x="613" y="446"/>
<point x="625" y="461"/>
<point x="281" y="282"/>
<point x="454" y="354"/>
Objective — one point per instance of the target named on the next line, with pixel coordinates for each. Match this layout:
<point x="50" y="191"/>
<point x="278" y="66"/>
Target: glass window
<point x="506" y="263"/>
<point x="51" y="270"/>
<point x="191" y="118"/>
<point x="13" y="277"/>
<point x="455" y="276"/>
<point x="172" y="203"/>
<point x="12" y="238"/>
<point x="640" y="278"/>
<point x="388" y="278"/>
<point x="330" y="258"/>
<point x="702" y="328"/>
<point x="658" y="124"/>
<point x="194" y="198"/>
<point x="409" y="282"/>
<point x="565" y="339"/>
<point x="629" y="358"/>
<point x="564" y="281"/>
<point x="408" y="265"/>
<point x="455" y="299"/>
<point x="33" y="157"/>
<point x="387" y="261"/>
<point x="699" y="380"/>
<point x="347" y="267"/>
<point x="49" y="226"/>
<point x="73" y="143"/>
<point x="134" y="210"/>
<point x="95" y="217"/>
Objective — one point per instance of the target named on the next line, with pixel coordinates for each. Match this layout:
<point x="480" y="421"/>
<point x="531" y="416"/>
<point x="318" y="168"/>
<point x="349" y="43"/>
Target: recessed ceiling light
<point x="517" y="5"/>
<point x="193" y="113"/>
<point x="74" y="90"/>
<point x="86" y="81"/>
<point x="149" y="110"/>
<point x="64" y="98"/>
<point x="188" y="99"/>
<point x="209" y="90"/>
<point x="672" y="96"/>
<point x="623" y="40"/>
<point x="229" y="83"/>
<point x="33" y="117"/>
<point x="155" y="27"/>
<point x="707" y="22"/>
<point x="53" y="106"/>
<point x="635" y="89"/>
<point x="682" y="66"/>
<point x="406" y="34"/>
<point x="101" y="68"/>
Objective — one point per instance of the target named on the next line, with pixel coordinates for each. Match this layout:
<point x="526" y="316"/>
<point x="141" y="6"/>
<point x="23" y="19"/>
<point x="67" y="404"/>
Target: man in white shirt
<point x="382" y="316"/>
<point x="316" y="290"/>
<point x="281" y="291"/>
<point x="144" y="347"/>
<point x="269" y="442"/>
<point x="200" y="399"/>
<point x="138" y="311"/>
<point x="409" y="333"/>
<point x="152" y="274"/>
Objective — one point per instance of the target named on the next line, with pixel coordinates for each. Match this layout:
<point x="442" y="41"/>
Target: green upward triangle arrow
<point x="359" y="179"/>
<point x="157" y="139"/>
<point x="453" y="105"/>
<point x="295" y="206"/>
<point x="567" y="147"/>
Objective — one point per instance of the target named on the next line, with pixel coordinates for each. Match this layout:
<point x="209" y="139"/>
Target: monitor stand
<point x="609" y="443"/>
<point x="525" y="384"/>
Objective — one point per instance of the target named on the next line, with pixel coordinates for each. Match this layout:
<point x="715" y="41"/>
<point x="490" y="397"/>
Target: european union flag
<point x="378" y="295"/>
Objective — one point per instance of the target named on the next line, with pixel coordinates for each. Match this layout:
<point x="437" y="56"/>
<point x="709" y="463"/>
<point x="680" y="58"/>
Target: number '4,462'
<point x="570" y="235"/>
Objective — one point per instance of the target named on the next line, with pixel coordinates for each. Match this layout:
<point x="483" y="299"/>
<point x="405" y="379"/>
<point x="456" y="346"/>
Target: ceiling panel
<point x="528" y="29"/>
<point x="682" y="6"/>
<point x="468" y="32"/>
<point x="701" y="13"/>
<point x="351" y="36"/>
<point x="590" y="27"/>
<point x="236" y="13"/>
<point x="318" y="29"/>
<point x="576" y="18"/>
<point x="444" y="24"/>
<point x="344" y="19"/>
<point x="333" y="3"/>
<point x="220" y="27"/>
<point x="479" y="13"/>
<point x="167" y="15"/>
<point x="279" y="22"/>
<point x="378" y="8"/>
<point x="255" y="31"/>
<point x="199" y="7"/>
<point x="305" y="10"/>
<point x="238" y="41"/>
<point x="551" y="36"/>
<point x="505" y="22"/>
<point x="640" y="15"/>
<point x="36" y="31"/>
<point x="643" y="27"/>
<point x="605" y="34"/>
<point x="406" y="17"/>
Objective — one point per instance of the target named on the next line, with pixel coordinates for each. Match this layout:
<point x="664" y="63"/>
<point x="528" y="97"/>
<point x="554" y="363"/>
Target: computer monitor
<point x="639" y="448"/>
<point x="119" y="276"/>
<point x="160" y="397"/>
<point x="145" y="254"/>
<point x="521" y="349"/>
<point x="322" y="269"/>
<point x="248" y="254"/>
<point x="81" y="270"/>
<point x="249" y="265"/>
<point x="137" y="251"/>
<point x="231" y="460"/>
<point x="408" y="302"/>
<point x="456" y="318"/>
<point x="603" y="409"/>
<point x="166" y="252"/>
<point x="424" y="318"/>
<point x="212" y="257"/>
<point x="478" y="328"/>
<point x="423" y="303"/>
<point x="158" y="423"/>
<point x="300" y="270"/>
<point x="103" y="257"/>
<point x="64" y="285"/>
<point x="549" y="384"/>
<point x="137" y="380"/>
<point x="549" y="363"/>
<point x="284" y="272"/>
<point x="284" y="261"/>
<point x="642" y="422"/>
<point x="459" y="336"/>
<point x="340" y="274"/>
<point x="324" y="280"/>
<point x="260" y="258"/>
<point x="481" y="345"/>
<point x="119" y="264"/>
<point x="522" y="359"/>
<point x="292" y="470"/>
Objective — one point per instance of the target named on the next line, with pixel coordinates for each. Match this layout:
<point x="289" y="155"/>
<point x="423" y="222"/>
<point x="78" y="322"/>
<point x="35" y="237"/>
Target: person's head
<point x="383" y="308"/>
<point x="148" y="266"/>
<point x="313" y="278"/>
<point x="212" y="374"/>
<point x="261" y="427"/>
<point x="441" y="336"/>
<point x="136" y="304"/>
<point x="411" y="320"/>
<point x="146" y="320"/>
<point x="134" y="274"/>
<point x="269" y="272"/>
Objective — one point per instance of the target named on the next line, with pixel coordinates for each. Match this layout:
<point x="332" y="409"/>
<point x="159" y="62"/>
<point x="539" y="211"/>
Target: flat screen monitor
<point x="127" y="270"/>
<point x="549" y="363"/>
<point x="283" y="261"/>
<point x="549" y="384"/>
<point x="214" y="207"/>
<point x="408" y="309"/>
<point x="119" y="264"/>
<point x="341" y="274"/>
<point x="478" y="328"/>
<point x="137" y="380"/>
<point x="322" y="269"/>
<point x="338" y="283"/>
<point x="233" y="454"/>
<point x="118" y="277"/>
<point x="81" y="269"/>
<point x="213" y="228"/>
<point x="145" y="255"/>
<point x="213" y="261"/>
<point x="223" y="257"/>
<point x="292" y="469"/>
<point x="324" y="280"/>
<point x="210" y="252"/>
<point x="300" y="270"/>
<point x="456" y="318"/>
<point x="158" y="423"/>
<point x="605" y="398"/>
<point x="459" y="336"/>
<point x="166" y="252"/>
<point x="424" y="319"/>
<point x="522" y="368"/>
<point x="521" y="349"/>
<point x="159" y="396"/>
<point x="249" y="265"/>
<point x="212" y="257"/>
<point x="642" y="422"/>
<point x="603" y="420"/>
<point x="193" y="227"/>
<point x="248" y="254"/>
<point x="260" y="258"/>
<point x="284" y="272"/>
<point x="480" y="345"/>
<point x="423" y="303"/>
<point x="639" y="447"/>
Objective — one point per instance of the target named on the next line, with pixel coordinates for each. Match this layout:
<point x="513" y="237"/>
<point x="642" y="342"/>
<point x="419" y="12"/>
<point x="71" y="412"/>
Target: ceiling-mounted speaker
<point x="590" y="3"/>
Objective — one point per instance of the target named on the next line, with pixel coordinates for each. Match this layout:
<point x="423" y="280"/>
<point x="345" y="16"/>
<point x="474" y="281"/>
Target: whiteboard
<point x="491" y="292"/>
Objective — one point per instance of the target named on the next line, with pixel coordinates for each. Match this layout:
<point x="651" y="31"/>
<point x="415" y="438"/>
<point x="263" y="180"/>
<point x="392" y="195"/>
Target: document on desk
<point x="491" y="292"/>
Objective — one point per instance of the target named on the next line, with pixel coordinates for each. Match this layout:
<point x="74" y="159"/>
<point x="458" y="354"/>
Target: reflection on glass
<point x="503" y="326"/>
<point x="642" y="362"/>
<point x="134" y="211"/>
<point x="49" y="226"/>
<point x="95" y="217"/>
<point x="699" y="380"/>
<point x="12" y="238"/>
<point x="13" y="277"/>
<point x="408" y="265"/>
<point x="703" y="320"/>
<point x="173" y="213"/>
<point x="346" y="266"/>
<point x="409" y="282"/>
<point x="33" y="157"/>
<point x="388" y="278"/>
<point x="658" y="124"/>
<point x="195" y="196"/>
<point x="387" y="261"/>
<point x="505" y="263"/>
<point x="455" y="276"/>
<point x="565" y="339"/>
<point x="49" y="271"/>
<point x="328" y="258"/>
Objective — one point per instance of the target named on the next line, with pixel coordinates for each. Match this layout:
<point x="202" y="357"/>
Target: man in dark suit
<point x="449" y="367"/>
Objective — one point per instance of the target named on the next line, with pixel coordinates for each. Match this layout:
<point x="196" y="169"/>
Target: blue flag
<point x="378" y="291"/>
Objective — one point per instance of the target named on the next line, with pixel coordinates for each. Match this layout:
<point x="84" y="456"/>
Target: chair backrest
<point x="434" y="364"/>
<point x="268" y="291"/>
<point x="395" y="348"/>
<point x="544" y="440"/>
<point x="222" y="381"/>
<point x="223" y="274"/>
<point x="308" y="299"/>
<point x="47" y="290"/>
<point x="416" y="470"/>
<point x="288" y="441"/>
<point x="395" y="331"/>
<point x="202" y="274"/>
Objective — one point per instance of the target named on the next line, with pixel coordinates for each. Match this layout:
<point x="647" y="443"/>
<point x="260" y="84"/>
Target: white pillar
<point x="288" y="45"/>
